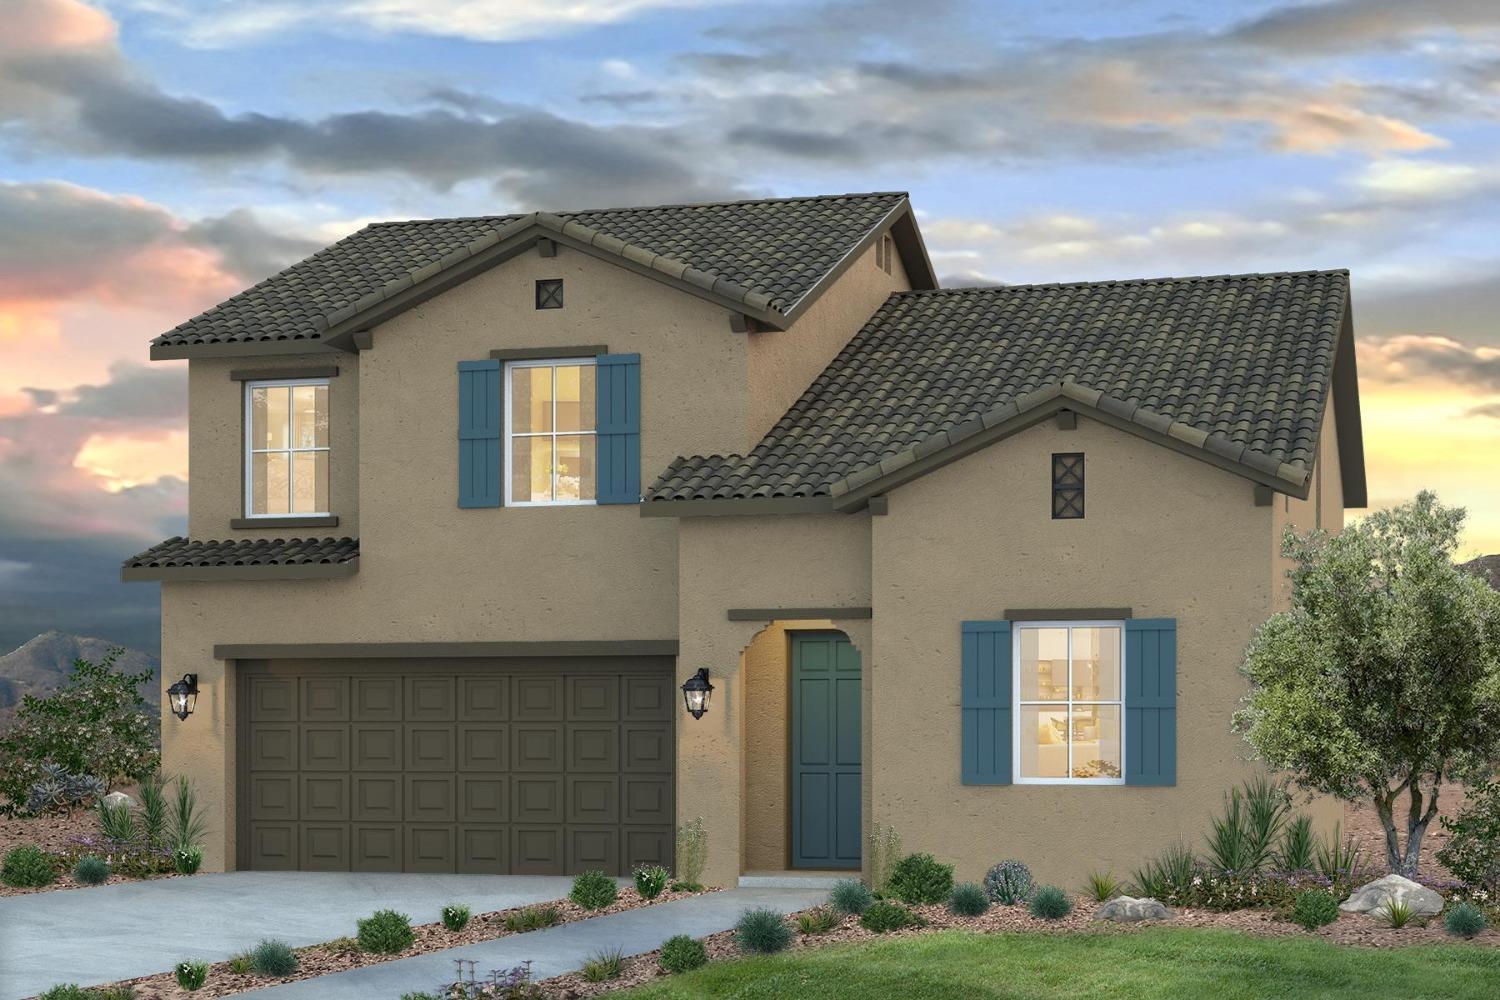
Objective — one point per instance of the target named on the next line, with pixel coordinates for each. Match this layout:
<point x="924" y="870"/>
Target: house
<point x="474" y="500"/>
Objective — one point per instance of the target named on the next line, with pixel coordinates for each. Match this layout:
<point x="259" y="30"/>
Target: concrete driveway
<point x="99" y="935"/>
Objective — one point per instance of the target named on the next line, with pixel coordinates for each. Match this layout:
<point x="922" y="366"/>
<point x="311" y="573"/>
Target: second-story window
<point x="286" y="448"/>
<point x="550" y="433"/>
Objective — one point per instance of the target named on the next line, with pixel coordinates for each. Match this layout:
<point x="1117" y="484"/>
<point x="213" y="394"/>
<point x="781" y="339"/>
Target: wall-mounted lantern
<point x="696" y="691"/>
<point x="183" y="696"/>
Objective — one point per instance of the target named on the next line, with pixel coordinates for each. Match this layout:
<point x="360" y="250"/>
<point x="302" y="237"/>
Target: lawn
<point x="1149" y="965"/>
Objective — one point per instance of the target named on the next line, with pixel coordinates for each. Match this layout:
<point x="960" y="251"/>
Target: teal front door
<point x="825" y="751"/>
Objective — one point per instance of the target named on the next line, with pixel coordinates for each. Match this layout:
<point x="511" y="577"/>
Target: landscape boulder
<point x="1128" y="909"/>
<point x="1372" y="898"/>
<point x="114" y="799"/>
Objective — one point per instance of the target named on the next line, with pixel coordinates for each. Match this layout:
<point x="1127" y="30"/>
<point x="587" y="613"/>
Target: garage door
<point x="505" y="767"/>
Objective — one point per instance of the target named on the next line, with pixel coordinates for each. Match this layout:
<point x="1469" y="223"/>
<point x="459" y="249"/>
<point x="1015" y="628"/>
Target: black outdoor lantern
<point x="696" y="691"/>
<point x="183" y="696"/>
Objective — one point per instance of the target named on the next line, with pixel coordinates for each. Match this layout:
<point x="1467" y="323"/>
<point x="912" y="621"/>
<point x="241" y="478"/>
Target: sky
<point x="157" y="156"/>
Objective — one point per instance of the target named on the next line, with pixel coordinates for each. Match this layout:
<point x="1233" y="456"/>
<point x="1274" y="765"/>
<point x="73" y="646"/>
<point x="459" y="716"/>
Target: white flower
<point x="1197" y="879"/>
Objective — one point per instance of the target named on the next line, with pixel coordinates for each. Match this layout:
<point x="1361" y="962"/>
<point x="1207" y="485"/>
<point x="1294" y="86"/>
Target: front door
<point x="825" y="751"/>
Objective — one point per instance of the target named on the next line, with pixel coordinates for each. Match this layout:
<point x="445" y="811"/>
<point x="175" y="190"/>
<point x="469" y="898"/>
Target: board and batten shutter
<point x="987" y="686"/>
<point x="617" y="390"/>
<point x="1151" y="701"/>
<point x="479" y="456"/>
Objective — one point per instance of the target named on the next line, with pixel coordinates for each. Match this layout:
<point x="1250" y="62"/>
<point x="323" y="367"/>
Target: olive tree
<point x="1383" y="678"/>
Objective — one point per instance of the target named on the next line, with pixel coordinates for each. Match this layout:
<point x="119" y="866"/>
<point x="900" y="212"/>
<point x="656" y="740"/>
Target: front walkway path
<point x="552" y="951"/>
<point x="99" y="935"/>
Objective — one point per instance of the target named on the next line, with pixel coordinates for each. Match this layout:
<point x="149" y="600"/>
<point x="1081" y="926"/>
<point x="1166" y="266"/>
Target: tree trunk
<point x="1417" y="821"/>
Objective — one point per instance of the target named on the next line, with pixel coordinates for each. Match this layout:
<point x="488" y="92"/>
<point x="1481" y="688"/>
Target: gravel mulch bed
<point x="344" y="953"/>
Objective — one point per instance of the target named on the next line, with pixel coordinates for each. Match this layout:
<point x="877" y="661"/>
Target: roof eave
<point x="1346" y="410"/>
<point x="257" y="571"/>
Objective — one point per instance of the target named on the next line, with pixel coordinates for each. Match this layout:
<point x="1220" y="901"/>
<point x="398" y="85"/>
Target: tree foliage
<point x="96" y="724"/>
<point x="1384" y="676"/>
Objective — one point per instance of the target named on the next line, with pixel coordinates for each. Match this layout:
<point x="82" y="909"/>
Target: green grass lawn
<point x="1148" y="965"/>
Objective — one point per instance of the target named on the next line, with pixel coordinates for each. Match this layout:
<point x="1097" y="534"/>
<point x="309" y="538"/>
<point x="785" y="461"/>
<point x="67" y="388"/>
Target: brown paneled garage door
<point x="506" y="766"/>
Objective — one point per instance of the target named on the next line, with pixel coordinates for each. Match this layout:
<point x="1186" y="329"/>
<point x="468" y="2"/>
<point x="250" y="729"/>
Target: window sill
<point x="319" y="521"/>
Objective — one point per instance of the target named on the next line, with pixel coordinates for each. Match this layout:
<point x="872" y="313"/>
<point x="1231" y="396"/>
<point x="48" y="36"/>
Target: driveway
<point x="99" y="935"/>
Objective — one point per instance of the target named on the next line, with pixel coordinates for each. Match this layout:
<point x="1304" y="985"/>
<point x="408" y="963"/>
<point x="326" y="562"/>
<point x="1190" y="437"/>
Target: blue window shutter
<point x="618" y="397"/>
<point x="986" y="703"/>
<point x="1151" y="701"/>
<point x="479" y="463"/>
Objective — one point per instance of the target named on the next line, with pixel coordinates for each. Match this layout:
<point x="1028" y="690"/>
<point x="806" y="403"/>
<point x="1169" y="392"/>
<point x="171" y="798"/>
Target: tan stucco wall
<point x="1164" y="534"/>
<point x="1322" y="510"/>
<point x="216" y="442"/>
<point x="783" y="363"/>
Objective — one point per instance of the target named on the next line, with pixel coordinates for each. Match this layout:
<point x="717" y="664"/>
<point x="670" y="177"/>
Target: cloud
<point x="1321" y="28"/>
<point x="146" y="394"/>
<point x="1487" y="410"/>
<point x="1411" y="357"/>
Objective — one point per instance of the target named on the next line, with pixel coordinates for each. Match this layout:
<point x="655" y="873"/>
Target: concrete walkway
<point x="93" y="936"/>
<point x="552" y="951"/>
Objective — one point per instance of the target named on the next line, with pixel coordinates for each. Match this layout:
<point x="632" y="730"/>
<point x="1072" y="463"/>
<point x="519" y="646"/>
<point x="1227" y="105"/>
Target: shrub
<point x="1397" y="913"/>
<point x="153" y="816"/>
<point x="1339" y="857"/>
<point x="242" y="964"/>
<point x="650" y="880"/>
<point x="191" y="975"/>
<point x="921" y="878"/>
<point x="186" y="825"/>
<point x="1314" y="908"/>
<point x="532" y="918"/>
<point x="273" y="958"/>
<point x="117" y="823"/>
<point x="692" y="853"/>
<point x="969" y="900"/>
<point x="96" y="724"/>
<point x="1244" y="838"/>
<point x="604" y="965"/>
<point x="1464" y="919"/>
<point x="65" y="991"/>
<point x="1008" y="883"/>
<point x="385" y="932"/>
<point x="594" y="890"/>
<point x="818" y="920"/>
<point x="1103" y="886"/>
<point x="187" y="860"/>
<point x="762" y="932"/>
<point x="1050" y="903"/>
<point x="27" y="867"/>
<point x="1298" y="849"/>
<point x="1169" y="877"/>
<point x="57" y="789"/>
<point x="91" y="870"/>
<point x="112" y="993"/>
<point x="682" y="954"/>
<point x="884" y="916"/>
<point x="455" y="916"/>
<point x="885" y="851"/>
<point x="1472" y="852"/>
<point x="851" y="896"/>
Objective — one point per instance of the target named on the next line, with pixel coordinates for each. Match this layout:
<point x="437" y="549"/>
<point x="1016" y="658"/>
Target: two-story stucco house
<point x="473" y="499"/>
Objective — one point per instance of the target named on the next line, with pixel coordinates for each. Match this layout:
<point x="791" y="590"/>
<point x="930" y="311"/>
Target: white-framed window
<point x="551" y="454"/>
<point x="1069" y="702"/>
<point x="286" y="448"/>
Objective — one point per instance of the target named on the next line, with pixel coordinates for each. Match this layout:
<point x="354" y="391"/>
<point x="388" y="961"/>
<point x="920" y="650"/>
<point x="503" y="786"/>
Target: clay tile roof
<point x="768" y="253"/>
<point x="1239" y="365"/>
<point x="182" y="553"/>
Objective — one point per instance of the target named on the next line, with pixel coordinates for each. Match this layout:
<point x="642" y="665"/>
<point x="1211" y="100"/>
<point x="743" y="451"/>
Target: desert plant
<point x="762" y="931"/>
<point x="885" y="851"/>
<point x="27" y="867"/>
<point x="884" y="916"/>
<point x="241" y="964"/>
<point x="273" y="958"/>
<point x="532" y="918"/>
<point x="385" y="932"/>
<point x="1313" y="908"/>
<point x="850" y="896"/>
<point x="650" y="880"/>
<point x="186" y="824"/>
<point x="920" y="878"/>
<point x="594" y="890"/>
<point x="1242" y="840"/>
<point x="1050" y="903"/>
<point x="818" y="920"/>
<point x="1472" y="852"/>
<point x="455" y="917"/>
<point x="1464" y="919"/>
<point x="1397" y="913"/>
<point x="187" y="860"/>
<point x="121" y="992"/>
<point x="682" y="954"/>
<point x="116" y="822"/>
<point x="57" y="789"/>
<point x="603" y="965"/>
<point x="1338" y="856"/>
<point x="1298" y="849"/>
<point x="1167" y="877"/>
<point x="91" y="870"/>
<point x="692" y="854"/>
<point x="153" y="815"/>
<point x="1103" y="886"/>
<point x="969" y="900"/>
<point x="1008" y="883"/>
<point x="65" y="991"/>
<point x="191" y="975"/>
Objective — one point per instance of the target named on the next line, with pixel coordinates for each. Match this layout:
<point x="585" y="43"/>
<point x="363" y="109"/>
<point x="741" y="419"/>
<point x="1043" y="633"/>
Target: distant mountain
<point x="1487" y="566"/>
<point x="41" y="665"/>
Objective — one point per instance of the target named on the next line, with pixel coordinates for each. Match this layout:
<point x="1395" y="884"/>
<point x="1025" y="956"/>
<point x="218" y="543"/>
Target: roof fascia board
<point x="240" y="349"/>
<point x="1346" y="410"/>
<point x="900" y="212"/>
<point x="291" y="571"/>
<point x="737" y="507"/>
